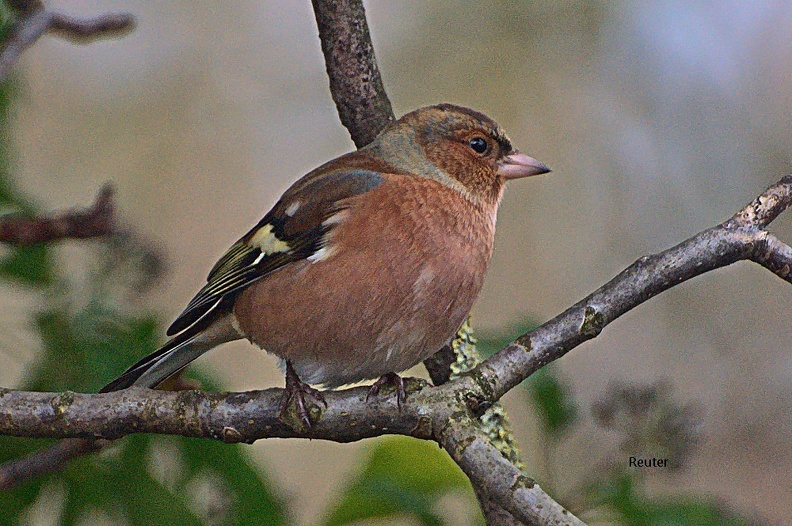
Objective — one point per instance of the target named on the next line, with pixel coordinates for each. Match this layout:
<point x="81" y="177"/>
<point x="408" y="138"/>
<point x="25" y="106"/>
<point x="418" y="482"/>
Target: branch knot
<point x="593" y="322"/>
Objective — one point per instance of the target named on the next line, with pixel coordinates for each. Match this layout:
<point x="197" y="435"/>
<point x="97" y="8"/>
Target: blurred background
<point x="659" y="119"/>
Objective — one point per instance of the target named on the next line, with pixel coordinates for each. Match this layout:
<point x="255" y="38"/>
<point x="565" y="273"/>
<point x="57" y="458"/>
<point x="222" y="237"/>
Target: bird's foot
<point x="396" y="381"/>
<point x="296" y="390"/>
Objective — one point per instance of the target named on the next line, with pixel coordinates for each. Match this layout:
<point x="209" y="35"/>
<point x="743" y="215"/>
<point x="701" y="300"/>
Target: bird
<point x="364" y="267"/>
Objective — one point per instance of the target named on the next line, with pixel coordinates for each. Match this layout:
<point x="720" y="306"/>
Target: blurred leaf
<point x="123" y="484"/>
<point x="251" y="495"/>
<point x="31" y="265"/>
<point x="553" y="400"/>
<point x="19" y="498"/>
<point x="623" y="495"/>
<point x="120" y="479"/>
<point x="401" y="476"/>
<point x="82" y="352"/>
<point x="687" y="513"/>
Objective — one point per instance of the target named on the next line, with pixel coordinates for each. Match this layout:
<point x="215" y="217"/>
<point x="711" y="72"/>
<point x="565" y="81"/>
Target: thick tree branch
<point x="497" y="478"/>
<point x="355" y="81"/>
<point x="246" y="417"/>
<point x="230" y="417"/>
<point x="33" y="21"/>
<point x="96" y="221"/>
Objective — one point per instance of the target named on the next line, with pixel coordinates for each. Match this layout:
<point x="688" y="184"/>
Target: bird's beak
<point x="516" y="165"/>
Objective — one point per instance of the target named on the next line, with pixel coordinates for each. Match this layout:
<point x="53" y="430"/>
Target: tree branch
<point x="740" y="238"/>
<point x="96" y="221"/>
<point x="439" y="365"/>
<point x="33" y="21"/>
<point x="230" y="417"/>
<point x="498" y="479"/>
<point x="355" y="81"/>
<point x="777" y="257"/>
<point x="78" y="31"/>
<point x="247" y="417"/>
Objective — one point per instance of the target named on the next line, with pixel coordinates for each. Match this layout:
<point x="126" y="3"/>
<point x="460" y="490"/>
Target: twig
<point x="33" y="21"/>
<point x="96" y="221"/>
<point x="47" y="461"/>
<point x="79" y="31"/>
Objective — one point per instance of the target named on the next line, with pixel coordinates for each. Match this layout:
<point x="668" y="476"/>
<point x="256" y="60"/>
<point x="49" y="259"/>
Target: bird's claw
<point x="296" y="390"/>
<point x="393" y="379"/>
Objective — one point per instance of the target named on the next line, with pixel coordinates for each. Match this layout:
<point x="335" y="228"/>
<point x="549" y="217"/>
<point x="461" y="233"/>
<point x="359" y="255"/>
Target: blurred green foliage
<point x="623" y="494"/>
<point x="202" y="482"/>
<point x="554" y="403"/>
<point x="83" y="346"/>
<point x="402" y="476"/>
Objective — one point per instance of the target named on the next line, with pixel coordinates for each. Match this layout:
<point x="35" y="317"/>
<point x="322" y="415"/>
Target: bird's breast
<point x="399" y="271"/>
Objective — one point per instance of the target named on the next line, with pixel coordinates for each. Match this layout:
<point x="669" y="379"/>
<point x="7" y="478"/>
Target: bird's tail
<point x="174" y="355"/>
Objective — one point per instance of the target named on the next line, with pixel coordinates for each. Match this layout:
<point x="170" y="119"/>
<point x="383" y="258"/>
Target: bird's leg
<point x="393" y="379"/>
<point x="297" y="389"/>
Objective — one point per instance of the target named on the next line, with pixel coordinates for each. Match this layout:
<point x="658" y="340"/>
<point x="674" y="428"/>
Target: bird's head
<point x="457" y="146"/>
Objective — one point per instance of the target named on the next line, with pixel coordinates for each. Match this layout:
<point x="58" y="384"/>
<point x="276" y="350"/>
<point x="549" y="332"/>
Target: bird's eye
<point x="478" y="144"/>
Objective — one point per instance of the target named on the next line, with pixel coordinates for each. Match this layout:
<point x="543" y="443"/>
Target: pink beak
<point x="516" y="165"/>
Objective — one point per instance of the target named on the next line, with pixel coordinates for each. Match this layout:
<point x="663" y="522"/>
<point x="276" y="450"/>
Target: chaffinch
<point x="366" y="266"/>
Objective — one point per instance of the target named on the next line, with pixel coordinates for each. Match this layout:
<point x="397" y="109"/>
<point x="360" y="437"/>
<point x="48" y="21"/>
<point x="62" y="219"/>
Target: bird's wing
<point x="292" y="231"/>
